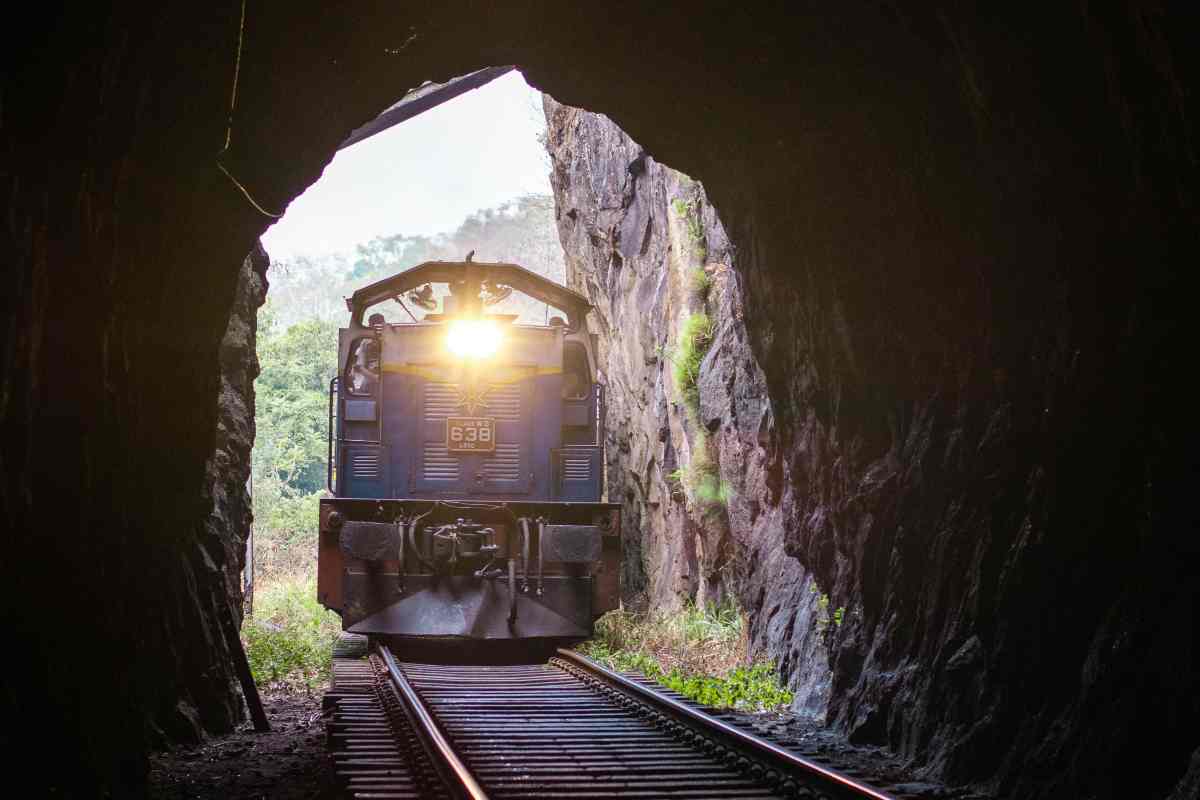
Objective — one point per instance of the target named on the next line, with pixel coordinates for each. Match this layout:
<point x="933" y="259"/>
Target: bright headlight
<point x="473" y="338"/>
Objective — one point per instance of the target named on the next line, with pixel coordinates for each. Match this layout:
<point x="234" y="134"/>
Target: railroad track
<point x="565" y="729"/>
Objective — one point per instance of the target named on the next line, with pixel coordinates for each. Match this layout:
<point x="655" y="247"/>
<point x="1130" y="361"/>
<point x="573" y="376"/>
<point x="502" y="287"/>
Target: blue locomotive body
<point x="466" y="464"/>
<point x="394" y="444"/>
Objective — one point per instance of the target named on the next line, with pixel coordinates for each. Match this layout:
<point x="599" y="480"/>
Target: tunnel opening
<point x="961" y="238"/>
<point x="452" y="171"/>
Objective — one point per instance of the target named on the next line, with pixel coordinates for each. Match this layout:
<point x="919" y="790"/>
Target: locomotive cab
<point x="466" y="462"/>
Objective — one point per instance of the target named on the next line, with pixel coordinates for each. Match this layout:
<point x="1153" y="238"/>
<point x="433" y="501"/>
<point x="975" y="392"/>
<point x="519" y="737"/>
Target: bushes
<point x="699" y="281"/>
<point x="290" y="637"/>
<point x="689" y="212"/>
<point x="695" y="337"/>
<point x="701" y="479"/>
<point x="699" y="652"/>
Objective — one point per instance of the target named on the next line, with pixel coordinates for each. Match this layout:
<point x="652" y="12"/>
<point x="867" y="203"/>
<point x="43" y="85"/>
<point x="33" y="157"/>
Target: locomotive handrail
<point x="547" y="291"/>
<point x="329" y="448"/>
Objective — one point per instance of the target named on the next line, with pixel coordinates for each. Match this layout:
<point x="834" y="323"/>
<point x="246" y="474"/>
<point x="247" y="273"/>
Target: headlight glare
<point x="473" y="338"/>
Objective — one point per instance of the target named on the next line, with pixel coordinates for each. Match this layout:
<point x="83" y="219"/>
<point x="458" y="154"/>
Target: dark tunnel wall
<point x="962" y="241"/>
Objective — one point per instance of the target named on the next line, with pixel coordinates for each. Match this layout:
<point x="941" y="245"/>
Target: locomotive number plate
<point x="470" y="434"/>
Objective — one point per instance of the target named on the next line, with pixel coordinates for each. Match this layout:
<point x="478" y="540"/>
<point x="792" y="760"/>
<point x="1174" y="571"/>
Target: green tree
<point x="292" y="404"/>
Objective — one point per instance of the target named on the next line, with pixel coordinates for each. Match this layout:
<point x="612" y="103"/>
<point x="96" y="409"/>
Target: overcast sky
<point x="424" y="175"/>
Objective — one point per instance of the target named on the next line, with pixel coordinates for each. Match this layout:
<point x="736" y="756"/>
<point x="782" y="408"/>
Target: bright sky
<point x="423" y="176"/>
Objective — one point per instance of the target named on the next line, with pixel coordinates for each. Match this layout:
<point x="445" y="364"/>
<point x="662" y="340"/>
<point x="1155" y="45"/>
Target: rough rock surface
<point x="1189" y="785"/>
<point x="963" y="239"/>
<point x="637" y="237"/>
<point x="208" y="698"/>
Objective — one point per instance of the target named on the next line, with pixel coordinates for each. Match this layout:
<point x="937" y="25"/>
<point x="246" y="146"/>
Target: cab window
<point x="577" y="383"/>
<point x="362" y="370"/>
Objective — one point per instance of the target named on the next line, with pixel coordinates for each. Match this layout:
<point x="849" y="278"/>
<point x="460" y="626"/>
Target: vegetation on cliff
<point x="290" y="636"/>
<point x="698" y="651"/>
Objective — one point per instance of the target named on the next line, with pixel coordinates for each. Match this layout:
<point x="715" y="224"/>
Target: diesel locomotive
<point x="466" y="464"/>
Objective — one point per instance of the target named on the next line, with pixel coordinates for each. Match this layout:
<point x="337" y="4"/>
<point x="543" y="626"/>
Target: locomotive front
<point x="466" y="464"/>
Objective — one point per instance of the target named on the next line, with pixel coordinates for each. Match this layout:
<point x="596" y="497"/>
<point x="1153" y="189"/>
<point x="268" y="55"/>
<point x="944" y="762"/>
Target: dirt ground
<point x="289" y="763"/>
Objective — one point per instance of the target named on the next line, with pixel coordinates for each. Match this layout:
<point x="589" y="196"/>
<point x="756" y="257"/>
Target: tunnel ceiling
<point x="961" y="237"/>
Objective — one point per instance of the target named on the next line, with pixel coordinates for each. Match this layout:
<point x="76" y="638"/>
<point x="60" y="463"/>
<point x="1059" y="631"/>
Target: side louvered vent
<point x="505" y="465"/>
<point x="437" y="464"/>
<point x="441" y="400"/>
<point x="504" y="401"/>
<point x="576" y="468"/>
<point x="365" y="466"/>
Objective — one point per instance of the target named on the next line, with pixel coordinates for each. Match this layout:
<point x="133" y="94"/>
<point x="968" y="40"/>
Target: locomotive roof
<point x="574" y="304"/>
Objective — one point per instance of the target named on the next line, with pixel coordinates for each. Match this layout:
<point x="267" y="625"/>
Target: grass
<point x="688" y="211"/>
<point x="823" y="615"/>
<point x="695" y="337"/>
<point x="701" y="479"/>
<point x="289" y="639"/>
<point x="700" y="652"/>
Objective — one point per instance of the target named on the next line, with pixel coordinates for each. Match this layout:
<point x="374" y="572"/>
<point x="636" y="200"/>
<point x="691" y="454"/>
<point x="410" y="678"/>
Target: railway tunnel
<point x="962" y="244"/>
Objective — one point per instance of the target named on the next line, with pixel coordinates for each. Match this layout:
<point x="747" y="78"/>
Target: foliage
<point x="699" y="281"/>
<point x="291" y="406"/>
<point x="823" y="615"/>
<point x="699" y="652"/>
<point x="285" y="529"/>
<point x="695" y="337"/>
<point x="290" y="637"/>
<point x="701" y="478"/>
<point x="688" y="211"/>
<point x="709" y="489"/>
<point x="289" y="459"/>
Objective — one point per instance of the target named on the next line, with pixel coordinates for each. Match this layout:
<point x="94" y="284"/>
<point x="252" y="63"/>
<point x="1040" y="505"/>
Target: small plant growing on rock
<point x="694" y="340"/>
<point x="699" y="281"/>
<point x="688" y="211"/>
<point x="711" y="490"/>
<point x="701" y="479"/>
<point x="698" y="651"/>
<point x="823" y="615"/>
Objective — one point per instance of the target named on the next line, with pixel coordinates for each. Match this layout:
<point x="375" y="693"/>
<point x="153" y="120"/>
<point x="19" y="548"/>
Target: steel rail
<point x="455" y="773"/>
<point x="761" y="748"/>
